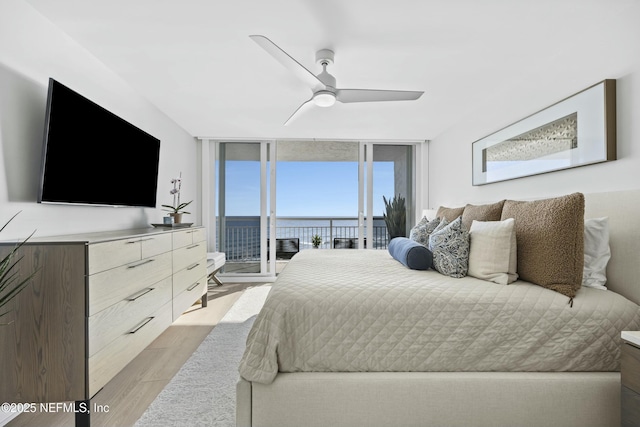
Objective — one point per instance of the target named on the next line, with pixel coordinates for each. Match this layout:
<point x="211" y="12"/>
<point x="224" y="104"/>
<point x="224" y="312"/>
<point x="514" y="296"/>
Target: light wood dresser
<point x="96" y="302"/>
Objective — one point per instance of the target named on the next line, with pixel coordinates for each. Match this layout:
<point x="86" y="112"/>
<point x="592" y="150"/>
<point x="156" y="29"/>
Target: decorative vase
<point x="177" y="217"/>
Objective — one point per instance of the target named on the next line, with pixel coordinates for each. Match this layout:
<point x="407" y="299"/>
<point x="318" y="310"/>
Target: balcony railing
<point x="241" y="238"/>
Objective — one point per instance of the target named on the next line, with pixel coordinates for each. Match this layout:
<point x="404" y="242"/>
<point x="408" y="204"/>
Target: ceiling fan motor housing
<point x="325" y="56"/>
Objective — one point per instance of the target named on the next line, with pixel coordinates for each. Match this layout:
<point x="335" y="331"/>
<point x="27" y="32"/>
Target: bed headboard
<point x="623" y="210"/>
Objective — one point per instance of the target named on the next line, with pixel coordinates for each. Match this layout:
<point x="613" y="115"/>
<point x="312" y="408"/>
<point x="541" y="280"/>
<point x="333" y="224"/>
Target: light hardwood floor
<point x="129" y="394"/>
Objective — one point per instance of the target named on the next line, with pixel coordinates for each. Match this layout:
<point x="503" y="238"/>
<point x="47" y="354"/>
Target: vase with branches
<point x="11" y="283"/>
<point x="395" y="216"/>
<point x="177" y="209"/>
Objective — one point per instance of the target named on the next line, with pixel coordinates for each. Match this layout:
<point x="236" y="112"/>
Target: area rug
<point x="203" y="392"/>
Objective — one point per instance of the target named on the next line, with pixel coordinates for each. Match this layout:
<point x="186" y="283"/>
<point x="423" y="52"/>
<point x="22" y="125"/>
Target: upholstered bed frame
<point x="462" y="399"/>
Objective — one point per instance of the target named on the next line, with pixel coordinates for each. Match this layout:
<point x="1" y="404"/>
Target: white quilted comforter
<point x="356" y="311"/>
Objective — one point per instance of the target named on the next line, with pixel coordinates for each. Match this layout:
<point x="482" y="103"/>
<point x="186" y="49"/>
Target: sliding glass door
<point x="244" y="204"/>
<point x="387" y="186"/>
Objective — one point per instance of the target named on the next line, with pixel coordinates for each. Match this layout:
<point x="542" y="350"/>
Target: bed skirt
<point x="492" y="399"/>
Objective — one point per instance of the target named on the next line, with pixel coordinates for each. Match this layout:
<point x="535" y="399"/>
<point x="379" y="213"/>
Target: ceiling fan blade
<point x="285" y="59"/>
<point x="372" y="95"/>
<point x="301" y="109"/>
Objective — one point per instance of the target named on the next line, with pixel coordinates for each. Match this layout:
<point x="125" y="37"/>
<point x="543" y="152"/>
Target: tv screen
<point x="93" y="157"/>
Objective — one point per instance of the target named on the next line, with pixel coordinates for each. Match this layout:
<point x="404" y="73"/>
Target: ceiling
<point x="195" y="61"/>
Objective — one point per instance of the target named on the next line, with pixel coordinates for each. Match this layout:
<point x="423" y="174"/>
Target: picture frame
<point x="577" y="131"/>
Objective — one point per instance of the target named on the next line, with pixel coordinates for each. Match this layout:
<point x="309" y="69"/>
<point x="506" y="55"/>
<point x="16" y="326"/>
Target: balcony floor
<point x="244" y="267"/>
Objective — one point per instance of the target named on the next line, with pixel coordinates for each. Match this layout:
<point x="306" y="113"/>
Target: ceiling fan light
<point x="324" y="98"/>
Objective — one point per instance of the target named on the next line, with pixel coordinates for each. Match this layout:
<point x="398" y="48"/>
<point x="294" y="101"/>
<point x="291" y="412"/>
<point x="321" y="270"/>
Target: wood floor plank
<point x="165" y="362"/>
<point x="174" y="336"/>
<point x="126" y="412"/>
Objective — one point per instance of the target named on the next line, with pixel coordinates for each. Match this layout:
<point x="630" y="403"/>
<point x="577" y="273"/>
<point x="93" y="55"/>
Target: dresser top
<point x="631" y="336"/>
<point x="105" y="236"/>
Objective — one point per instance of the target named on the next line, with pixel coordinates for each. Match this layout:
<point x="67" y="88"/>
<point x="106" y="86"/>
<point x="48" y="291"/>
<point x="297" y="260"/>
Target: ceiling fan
<point x="323" y="85"/>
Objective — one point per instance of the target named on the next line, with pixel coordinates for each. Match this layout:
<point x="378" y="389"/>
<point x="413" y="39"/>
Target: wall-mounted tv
<point x="93" y="157"/>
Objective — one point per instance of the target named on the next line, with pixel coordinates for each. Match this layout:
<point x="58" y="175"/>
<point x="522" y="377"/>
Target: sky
<point x="306" y="188"/>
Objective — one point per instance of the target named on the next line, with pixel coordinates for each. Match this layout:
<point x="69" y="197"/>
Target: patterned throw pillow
<point x="443" y="224"/>
<point x="420" y="233"/>
<point x="450" y="247"/>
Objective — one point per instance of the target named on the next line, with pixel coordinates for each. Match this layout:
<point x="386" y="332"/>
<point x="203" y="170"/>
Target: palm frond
<point x="11" y="284"/>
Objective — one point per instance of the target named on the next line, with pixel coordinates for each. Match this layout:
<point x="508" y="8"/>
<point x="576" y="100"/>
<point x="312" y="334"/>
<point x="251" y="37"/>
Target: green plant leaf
<point x="10" y="282"/>
<point x="177" y="209"/>
<point x="395" y="216"/>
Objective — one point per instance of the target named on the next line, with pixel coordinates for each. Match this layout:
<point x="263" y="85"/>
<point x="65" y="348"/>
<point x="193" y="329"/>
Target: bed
<point x="353" y="337"/>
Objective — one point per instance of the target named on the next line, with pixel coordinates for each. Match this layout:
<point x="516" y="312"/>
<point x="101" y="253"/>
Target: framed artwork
<point x="577" y="131"/>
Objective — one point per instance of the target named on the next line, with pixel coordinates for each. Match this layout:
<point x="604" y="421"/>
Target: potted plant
<point x="10" y="282"/>
<point x="395" y="216"/>
<point x="316" y="241"/>
<point x="176" y="209"/>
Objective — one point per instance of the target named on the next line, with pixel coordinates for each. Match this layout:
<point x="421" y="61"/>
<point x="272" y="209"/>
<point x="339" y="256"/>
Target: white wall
<point x="609" y="52"/>
<point x="32" y="50"/>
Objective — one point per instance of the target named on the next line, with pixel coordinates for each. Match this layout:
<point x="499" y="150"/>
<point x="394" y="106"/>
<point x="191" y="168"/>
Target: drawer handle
<point x="139" y="294"/>
<point x="192" y="287"/>
<point x="193" y="266"/>
<point x="147" y="239"/>
<point x="144" y="322"/>
<point x="193" y="246"/>
<point x="146" y="261"/>
<point x="132" y="241"/>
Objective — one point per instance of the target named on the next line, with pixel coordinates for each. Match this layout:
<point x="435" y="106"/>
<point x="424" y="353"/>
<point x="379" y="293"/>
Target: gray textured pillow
<point x="450" y="247"/>
<point x="449" y="213"/>
<point x="491" y="212"/>
<point x="420" y="233"/>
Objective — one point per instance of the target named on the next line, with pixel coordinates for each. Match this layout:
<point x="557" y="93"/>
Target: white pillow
<point x="596" y="252"/>
<point x="493" y="253"/>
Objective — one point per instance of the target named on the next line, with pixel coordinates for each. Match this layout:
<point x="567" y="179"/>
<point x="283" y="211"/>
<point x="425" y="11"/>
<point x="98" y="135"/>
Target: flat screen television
<point x="93" y="157"/>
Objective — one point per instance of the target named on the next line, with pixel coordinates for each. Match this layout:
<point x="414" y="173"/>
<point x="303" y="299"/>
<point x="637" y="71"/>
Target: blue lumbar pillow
<point x="411" y="253"/>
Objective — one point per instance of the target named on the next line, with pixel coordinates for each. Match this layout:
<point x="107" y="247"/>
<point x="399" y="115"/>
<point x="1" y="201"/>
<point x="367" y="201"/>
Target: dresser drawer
<point x="187" y="297"/>
<point x="107" y="255"/>
<point x="186" y="237"/>
<point x="155" y="244"/>
<point x="189" y="255"/>
<point x="114" y="321"/>
<point x="182" y="238"/>
<point x="112" y="286"/>
<point x="198" y="235"/>
<point x="105" y="364"/>
<point x="188" y="276"/>
<point x="630" y="367"/>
